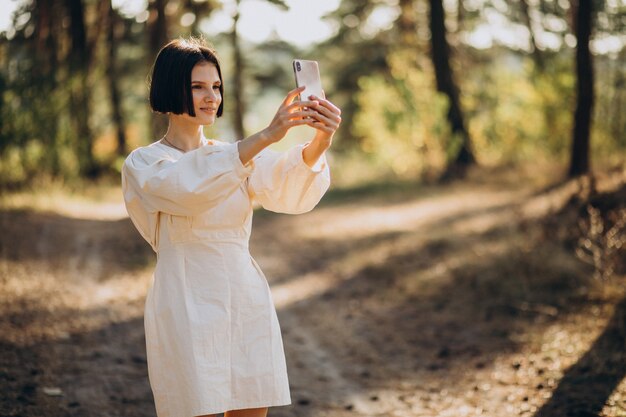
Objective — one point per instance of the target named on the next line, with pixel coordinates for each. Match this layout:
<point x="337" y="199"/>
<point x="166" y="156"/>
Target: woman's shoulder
<point x="216" y="142"/>
<point x="159" y="150"/>
<point x="148" y="153"/>
<point x="145" y="149"/>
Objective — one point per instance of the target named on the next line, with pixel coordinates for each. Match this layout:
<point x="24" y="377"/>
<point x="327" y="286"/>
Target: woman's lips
<point x="208" y="110"/>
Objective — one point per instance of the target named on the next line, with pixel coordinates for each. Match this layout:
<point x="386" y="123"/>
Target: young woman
<point x="212" y="335"/>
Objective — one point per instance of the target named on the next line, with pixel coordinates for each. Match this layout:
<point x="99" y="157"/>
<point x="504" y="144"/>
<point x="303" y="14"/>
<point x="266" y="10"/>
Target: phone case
<point x="308" y="74"/>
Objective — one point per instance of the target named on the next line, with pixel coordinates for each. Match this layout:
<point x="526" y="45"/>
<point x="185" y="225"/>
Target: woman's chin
<point x="204" y="119"/>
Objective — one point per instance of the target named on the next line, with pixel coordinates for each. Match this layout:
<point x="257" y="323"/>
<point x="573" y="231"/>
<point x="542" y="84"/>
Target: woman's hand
<point x="327" y="121"/>
<point x="289" y="114"/>
<point x="319" y="113"/>
<point x="292" y="114"/>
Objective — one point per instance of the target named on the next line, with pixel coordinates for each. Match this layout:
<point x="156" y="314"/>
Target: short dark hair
<point x="170" y="84"/>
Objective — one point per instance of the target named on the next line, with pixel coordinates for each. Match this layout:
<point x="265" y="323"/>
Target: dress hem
<point x="243" y="406"/>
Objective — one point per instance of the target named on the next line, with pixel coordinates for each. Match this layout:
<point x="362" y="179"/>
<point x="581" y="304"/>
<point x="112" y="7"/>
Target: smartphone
<point x="308" y="74"/>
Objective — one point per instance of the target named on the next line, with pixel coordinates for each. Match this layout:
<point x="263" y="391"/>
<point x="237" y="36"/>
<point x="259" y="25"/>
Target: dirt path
<point x="404" y="301"/>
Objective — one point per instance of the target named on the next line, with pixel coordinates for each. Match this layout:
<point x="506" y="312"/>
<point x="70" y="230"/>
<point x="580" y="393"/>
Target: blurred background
<point x="496" y="84"/>
<point x="469" y="259"/>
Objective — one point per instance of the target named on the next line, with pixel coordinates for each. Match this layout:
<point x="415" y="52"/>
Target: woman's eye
<point x="195" y="87"/>
<point x="216" y="87"/>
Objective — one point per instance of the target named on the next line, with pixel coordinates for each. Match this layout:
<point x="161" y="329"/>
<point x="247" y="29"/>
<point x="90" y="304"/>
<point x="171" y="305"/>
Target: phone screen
<point x="308" y="74"/>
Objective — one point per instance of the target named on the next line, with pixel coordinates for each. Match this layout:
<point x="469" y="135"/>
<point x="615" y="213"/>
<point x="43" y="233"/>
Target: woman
<point x="212" y="336"/>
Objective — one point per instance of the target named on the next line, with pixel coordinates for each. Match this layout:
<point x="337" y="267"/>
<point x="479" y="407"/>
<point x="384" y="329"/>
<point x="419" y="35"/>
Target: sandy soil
<point x="402" y="300"/>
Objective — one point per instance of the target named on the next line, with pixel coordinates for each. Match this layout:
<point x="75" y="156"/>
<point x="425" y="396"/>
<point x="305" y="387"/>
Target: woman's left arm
<point x="327" y="122"/>
<point x="294" y="181"/>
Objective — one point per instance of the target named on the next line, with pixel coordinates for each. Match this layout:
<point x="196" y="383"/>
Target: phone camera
<point x="298" y="66"/>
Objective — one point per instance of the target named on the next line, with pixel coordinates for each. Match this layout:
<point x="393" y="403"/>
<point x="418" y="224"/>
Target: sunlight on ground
<point x="314" y="284"/>
<point x="358" y="221"/>
<point x="98" y="203"/>
<point x="81" y="305"/>
<point x="356" y="281"/>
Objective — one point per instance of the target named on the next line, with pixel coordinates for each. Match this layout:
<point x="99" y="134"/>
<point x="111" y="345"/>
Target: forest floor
<point x="394" y="300"/>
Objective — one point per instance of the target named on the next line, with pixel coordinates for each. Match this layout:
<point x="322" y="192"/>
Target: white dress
<point x="212" y="335"/>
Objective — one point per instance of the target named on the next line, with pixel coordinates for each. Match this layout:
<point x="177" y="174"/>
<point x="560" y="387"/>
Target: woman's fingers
<point x="301" y="113"/>
<point x="326" y="120"/>
<point x="292" y="95"/>
<point x="312" y="122"/>
<point x="328" y="113"/>
<point x="317" y="120"/>
<point x="301" y="104"/>
<point x="324" y="128"/>
<point x="327" y="104"/>
<point x="326" y="116"/>
<point x="300" y="122"/>
<point x="328" y="110"/>
<point x="317" y="113"/>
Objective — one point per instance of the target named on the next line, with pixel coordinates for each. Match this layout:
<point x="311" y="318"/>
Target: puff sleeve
<point x="282" y="182"/>
<point x="153" y="182"/>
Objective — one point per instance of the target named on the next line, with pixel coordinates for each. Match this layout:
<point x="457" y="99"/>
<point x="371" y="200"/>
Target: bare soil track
<point x="401" y="300"/>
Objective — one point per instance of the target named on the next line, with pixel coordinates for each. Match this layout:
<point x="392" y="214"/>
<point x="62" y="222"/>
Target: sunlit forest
<point x="496" y="82"/>
<point x="468" y="260"/>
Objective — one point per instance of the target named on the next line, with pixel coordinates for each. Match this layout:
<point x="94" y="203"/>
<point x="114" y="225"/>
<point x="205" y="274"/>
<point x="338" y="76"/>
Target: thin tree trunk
<point x="200" y="10"/>
<point x="79" y="101"/>
<point x="113" y="79"/>
<point x="460" y="15"/>
<point x="238" y="86"/>
<point x="157" y="23"/>
<point x="536" y="52"/>
<point x="46" y="53"/>
<point x="440" y="54"/>
<point x="617" y="102"/>
<point x="407" y="23"/>
<point x="579" y="163"/>
<point x="157" y="26"/>
<point x="45" y="40"/>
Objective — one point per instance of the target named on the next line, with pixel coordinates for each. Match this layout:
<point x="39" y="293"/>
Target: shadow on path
<point x="98" y="372"/>
<point x="82" y="247"/>
<point x="585" y="388"/>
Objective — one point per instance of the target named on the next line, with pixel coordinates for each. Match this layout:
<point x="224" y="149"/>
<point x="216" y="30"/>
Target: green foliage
<point x="517" y="114"/>
<point x="609" y="127"/>
<point x="402" y="121"/>
<point x="514" y="112"/>
<point x="19" y="163"/>
<point x="394" y="121"/>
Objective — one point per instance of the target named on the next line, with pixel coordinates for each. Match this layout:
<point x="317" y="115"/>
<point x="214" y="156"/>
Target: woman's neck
<point x="183" y="135"/>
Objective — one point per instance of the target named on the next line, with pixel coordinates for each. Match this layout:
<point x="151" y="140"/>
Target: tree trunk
<point x="460" y="15"/>
<point x="158" y="37"/>
<point x="536" y="53"/>
<point x="113" y="79"/>
<point x="579" y="163"/>
<point x="440" y="54"/>
<point x="407" y="23"/>
<point x="617" y="103"/>
<point x="46" y="69"/>
<point x="79" y="58"/>
<point x="200" y="10"/>
<point x="45" y="38"/>
<point x="157" y="27"/>
<point x="238" y="86"/>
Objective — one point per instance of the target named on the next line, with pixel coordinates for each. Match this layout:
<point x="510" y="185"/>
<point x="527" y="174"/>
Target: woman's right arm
<point x="289" y="114"/>
<point x="202" y="178"/>
<point x="195" y="182"/>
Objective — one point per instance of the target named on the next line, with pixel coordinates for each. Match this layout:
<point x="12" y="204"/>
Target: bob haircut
<point x="170" y="84"/>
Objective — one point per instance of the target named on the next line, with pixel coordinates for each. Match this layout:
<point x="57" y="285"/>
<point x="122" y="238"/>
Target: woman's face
<point x="205" y="83"/>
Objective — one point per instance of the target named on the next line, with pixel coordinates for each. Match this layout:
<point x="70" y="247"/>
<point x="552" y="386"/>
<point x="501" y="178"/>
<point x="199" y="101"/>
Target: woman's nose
<point x="211" y="96"/>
